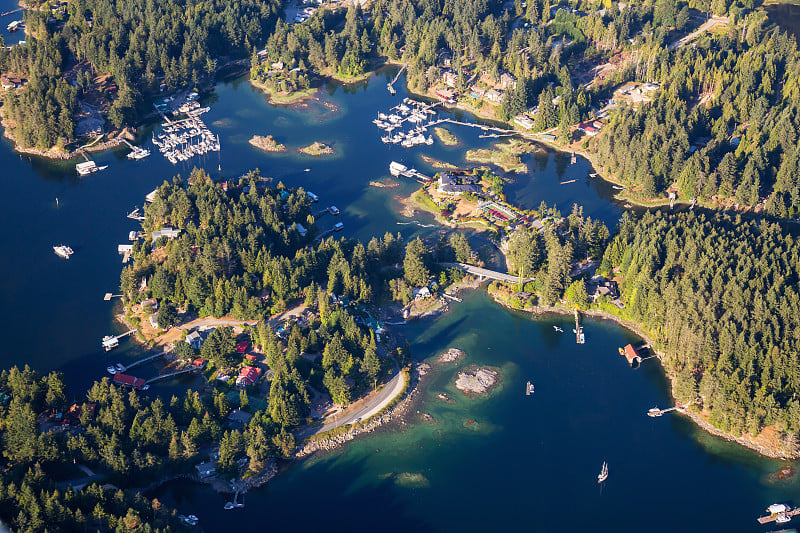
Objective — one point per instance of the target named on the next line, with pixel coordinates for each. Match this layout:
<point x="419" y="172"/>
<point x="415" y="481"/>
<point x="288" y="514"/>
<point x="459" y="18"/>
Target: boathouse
<point x="129" y="381"/>
<point x="632" y="355"/>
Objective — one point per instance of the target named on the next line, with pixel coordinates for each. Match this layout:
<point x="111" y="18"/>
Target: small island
<point x="317" y="149"/>
<point x="447" y="138"/>
<point x="267" y="143"/>
<point x="452" y="355"/>
<point x="435" y="163"/>
<point x="505" y="155"/>
<point x="480" y="380"/>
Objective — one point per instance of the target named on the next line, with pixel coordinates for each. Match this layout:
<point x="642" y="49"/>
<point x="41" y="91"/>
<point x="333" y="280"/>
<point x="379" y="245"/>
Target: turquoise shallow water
<point x="527" y="462"/>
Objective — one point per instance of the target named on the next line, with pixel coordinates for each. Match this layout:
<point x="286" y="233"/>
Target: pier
<point x="655" y="411"/>
<point x="389" y="86"/>
<point x="108" y="296"/>
<point x="6" y="13"/>
<point x="136" y="215"/>
<point x="580" y="338"/>
<point x="169" y="375"/>
<point x="123" y="368"/>
<point x="112" y="341"/>
<point x="451" y="297"/>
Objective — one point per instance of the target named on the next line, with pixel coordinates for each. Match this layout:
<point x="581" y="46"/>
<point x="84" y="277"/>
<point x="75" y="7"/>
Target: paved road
<point x="371" y="408"/>
<point x="485" y="272"/>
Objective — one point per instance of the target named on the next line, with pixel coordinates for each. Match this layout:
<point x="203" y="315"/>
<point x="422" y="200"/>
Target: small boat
<point x="133" y="236"/>
<point x="603" y="475"/>
<point x="333" y="210"/>
<point x="655" y="411"/>
<point x="190" y="520"/>
<point x="229" y="505"/>
<point x="783" y="518"/>
<point x="112" y="369"/>
<point x="528" y="388"/>
<point x="63" y="251"/>
<point x="307" y="170"/>
<point x="558" y="329"/>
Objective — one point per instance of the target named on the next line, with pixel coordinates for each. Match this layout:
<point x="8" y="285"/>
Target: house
<point x="206" y="469"/>
<point x="446" y="94"/>
<point x="278" y="65"/>
<point x="248" y="375"/>
<point x="199" y="363"/>
<point x="242" y="347"/>
<point x="477" y="92"/>
<point x="450" y="78"/>
<point x="239" y="417"/>
<point x="301" y="229"/>
<point x="12" y="83"/>
<point x="195" y="340"/>
<point x="449" y="184"/>
<point x="494" y="96"/>
<point x="154" y="320"/>
<point x="167" y="232"/>
<point x="507" y="81"/>
<point x="150" y="302"/>
<point x="422" y="294"/>
<point x="523" y="121"/>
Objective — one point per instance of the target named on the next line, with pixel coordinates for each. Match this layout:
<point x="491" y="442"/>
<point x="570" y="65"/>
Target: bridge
<point x="486" y="273"/>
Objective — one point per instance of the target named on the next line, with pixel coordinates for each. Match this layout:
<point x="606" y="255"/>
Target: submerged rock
<point x="478" y="381"/>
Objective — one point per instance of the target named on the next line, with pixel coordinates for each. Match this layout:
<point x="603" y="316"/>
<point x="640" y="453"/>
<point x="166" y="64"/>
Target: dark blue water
<point x="527" y="462"/>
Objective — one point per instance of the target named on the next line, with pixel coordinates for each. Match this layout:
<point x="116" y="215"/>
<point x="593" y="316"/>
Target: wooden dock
<point x="773" y="517"/>
<point x="143" y="360"/>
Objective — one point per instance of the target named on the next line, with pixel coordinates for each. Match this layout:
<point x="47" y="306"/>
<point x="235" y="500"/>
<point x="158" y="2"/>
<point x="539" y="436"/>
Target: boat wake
<point x="418" y="223"/>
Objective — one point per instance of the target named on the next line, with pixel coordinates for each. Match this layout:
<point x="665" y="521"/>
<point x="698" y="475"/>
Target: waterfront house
<point x="523" y="121"/>
<point x="450" y="78"/>
<point x="195" y="340"/>
<point x="494" y="96"/>
<point x="449" y="184"/>
<point x="206" y="469"/>
<point x="446" y="94"/>
<point x="199" y="362"/>
<point x="167" y="232"/>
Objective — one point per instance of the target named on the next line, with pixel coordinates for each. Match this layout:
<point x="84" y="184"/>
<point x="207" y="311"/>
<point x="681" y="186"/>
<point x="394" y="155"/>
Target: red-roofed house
<point x="242" y="347"/>
<point x="248" y="375"/>
<point x="199" y="362"/>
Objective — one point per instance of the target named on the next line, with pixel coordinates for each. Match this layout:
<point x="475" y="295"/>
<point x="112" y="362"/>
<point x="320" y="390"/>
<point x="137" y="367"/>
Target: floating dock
<point x="780" y="517"/>
<point x="112" y="341"/>
<point x="398" y="169"/>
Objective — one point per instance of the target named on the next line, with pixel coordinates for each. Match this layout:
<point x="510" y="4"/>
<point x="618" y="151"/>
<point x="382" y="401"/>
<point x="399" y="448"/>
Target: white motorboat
<point x="63" y="251"/>
<point x="603" y="475"/>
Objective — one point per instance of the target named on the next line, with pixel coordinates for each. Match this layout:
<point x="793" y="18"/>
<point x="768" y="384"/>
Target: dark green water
<point x="529" y="462"/>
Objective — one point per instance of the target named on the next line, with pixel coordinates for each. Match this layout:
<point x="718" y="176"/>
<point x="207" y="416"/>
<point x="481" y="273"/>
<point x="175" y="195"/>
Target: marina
<point x="181" y="140"/>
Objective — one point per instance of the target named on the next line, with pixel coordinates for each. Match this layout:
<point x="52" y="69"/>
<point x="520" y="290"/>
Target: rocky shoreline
<point x="267" y="143"/>
<point x="397" y="415"/>
<point x="697" y="419"/>
<point x="477" y="381"/>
